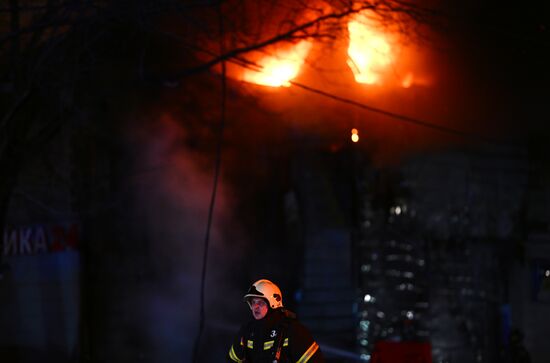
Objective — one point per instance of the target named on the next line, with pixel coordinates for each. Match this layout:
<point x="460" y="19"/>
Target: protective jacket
<point x="259" y="340"/>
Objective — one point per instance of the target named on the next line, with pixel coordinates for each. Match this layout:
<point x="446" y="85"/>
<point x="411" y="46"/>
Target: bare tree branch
<point x="285" y="36"/>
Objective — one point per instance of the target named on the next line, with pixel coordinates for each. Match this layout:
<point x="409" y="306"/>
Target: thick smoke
<point x="173" y="195"/>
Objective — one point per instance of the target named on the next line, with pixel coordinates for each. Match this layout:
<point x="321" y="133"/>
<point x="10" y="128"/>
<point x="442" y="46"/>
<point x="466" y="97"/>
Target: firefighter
<point x="274" y="334"/>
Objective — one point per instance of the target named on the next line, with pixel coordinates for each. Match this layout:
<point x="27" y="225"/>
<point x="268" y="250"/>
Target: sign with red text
<point x="39" y="239"/>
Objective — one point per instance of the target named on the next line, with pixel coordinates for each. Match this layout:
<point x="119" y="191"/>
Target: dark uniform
<point x="259" y="340"/>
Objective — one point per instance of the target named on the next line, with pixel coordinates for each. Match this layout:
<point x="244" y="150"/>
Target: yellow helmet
<point x="267" y="290"/>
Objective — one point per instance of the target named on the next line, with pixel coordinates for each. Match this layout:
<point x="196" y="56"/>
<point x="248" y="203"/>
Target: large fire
<point x="369" y="50"/>
<point x="377" y="55"/>
<point x="279" y="68"/>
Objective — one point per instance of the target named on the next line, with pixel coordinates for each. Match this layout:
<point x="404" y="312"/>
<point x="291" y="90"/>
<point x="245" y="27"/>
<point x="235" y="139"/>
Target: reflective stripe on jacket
<point x="258" y="340"/>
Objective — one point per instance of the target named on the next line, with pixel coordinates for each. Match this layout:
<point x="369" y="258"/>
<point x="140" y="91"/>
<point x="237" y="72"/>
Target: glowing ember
<point x="280" y="68"/>
<point x="354" y="135"/>
<point x="369" y="51"/>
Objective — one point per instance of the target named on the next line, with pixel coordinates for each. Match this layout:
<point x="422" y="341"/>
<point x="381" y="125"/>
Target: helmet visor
<point x="253" y="292"/>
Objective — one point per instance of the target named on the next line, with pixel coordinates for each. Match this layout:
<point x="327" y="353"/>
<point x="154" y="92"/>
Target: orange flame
<point x="280" y="68"/>
<point x="412" y="79"/>
<point x="369" y="51"/>
<point x="408" y="80"/>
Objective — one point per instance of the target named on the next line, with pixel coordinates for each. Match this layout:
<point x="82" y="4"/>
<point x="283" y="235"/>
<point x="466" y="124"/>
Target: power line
<point x="397" y="116"/>
<point x="244" y="63"/>
<point x="202" y="316"/>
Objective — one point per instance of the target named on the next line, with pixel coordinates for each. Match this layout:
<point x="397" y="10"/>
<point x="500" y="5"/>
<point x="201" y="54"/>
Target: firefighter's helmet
<point x="267" y="290"/>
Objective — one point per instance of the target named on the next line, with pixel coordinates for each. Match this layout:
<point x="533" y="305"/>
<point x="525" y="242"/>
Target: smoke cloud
<point x="173" y="195"/>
